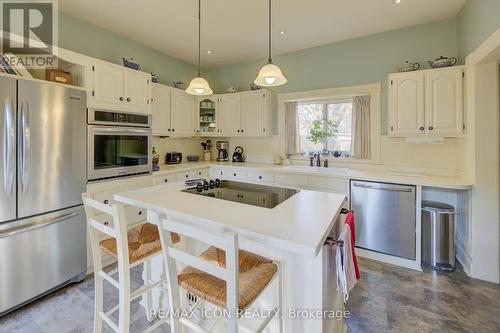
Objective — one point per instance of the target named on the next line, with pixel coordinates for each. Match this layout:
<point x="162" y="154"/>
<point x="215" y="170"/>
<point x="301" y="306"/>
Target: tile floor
<point x="388" y="299"/>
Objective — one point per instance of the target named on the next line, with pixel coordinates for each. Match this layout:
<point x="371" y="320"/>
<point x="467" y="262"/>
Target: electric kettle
<point x="238" y="155"/>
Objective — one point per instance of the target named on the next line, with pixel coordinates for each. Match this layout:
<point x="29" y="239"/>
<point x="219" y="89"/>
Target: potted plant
<point x="321" y="131"/>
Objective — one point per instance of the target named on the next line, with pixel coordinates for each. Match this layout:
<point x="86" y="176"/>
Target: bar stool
<point x="130" y="247"/>
<point x="223" y="275"/>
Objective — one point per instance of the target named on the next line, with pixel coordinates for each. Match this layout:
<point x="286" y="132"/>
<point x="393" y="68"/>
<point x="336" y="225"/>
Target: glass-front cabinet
<point x="207" y="115"/>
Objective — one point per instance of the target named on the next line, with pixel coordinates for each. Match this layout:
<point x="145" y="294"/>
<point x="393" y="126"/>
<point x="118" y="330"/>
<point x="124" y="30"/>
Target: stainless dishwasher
<point x="385" y="217"/>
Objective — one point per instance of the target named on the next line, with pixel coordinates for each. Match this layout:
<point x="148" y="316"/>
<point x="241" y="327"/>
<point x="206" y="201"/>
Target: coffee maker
<point x="222" y="151"/>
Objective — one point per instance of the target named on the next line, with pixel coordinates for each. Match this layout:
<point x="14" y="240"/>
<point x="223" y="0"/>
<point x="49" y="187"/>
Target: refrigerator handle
<point x="37" y="225"/>
<point x="25" y="144"/>
<point x="8" y="147"/>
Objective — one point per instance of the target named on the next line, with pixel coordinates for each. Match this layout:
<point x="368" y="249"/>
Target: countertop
<point x="298" y="225"/>
<point x="391" y="176"/>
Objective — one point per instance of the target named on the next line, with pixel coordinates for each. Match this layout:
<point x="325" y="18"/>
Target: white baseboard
<point x="463" y="257"/>
<point x="397" y="261"/>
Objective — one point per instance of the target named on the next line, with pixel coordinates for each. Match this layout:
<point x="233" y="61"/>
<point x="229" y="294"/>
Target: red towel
<point x="350" y="221"/>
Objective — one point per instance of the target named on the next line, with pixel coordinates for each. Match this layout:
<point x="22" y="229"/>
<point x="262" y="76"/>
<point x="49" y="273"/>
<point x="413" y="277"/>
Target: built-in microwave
<point x="119" y="144"/>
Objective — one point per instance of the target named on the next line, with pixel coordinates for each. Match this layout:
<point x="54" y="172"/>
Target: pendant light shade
<point x="199" y="86"/>
<point x="270" y="75"/>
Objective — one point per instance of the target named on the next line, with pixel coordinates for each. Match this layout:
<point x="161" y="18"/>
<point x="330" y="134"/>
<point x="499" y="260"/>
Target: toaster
<point x="173" y="157"/>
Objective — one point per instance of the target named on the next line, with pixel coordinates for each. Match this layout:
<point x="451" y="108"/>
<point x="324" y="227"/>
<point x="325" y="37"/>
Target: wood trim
<point x="488" y="51"/>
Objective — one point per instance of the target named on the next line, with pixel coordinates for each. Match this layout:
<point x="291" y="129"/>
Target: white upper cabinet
<point x="160" y="108"/>
<point x="444" y="101"/>
<point x="245" y="114"/>
<point x="107" y="84"/>
<point x="137" y="90"/>
<point x="182" y="118"/>
<point x="207" y="115"/>
<point x="118" y="88"/>
<point x="428" y="102"/>
<point x="175" y="113"/>
<point x="229" y="114"/>
<point x="406" y="100"/>
<point x="252" y="113"/>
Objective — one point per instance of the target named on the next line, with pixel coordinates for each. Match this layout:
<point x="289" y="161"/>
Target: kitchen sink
<point x="305" y="168"/>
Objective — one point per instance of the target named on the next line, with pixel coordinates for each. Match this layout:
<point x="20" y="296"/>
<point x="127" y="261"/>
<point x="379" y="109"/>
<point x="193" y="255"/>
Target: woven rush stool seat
<point x="255" y="273"/>
<point x="143" y="241"/>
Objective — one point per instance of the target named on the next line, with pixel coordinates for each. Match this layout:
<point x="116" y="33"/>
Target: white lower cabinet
<point x="160" y="180"/>
<point x="192" y="174"/>
<point x="329" y="184"/>
<point x="234" y="174"/>
<point x="261" y="177"/>
<point x="299" y="181"/>
<point x="215" y="172"/>
<point x="181" y="176"/>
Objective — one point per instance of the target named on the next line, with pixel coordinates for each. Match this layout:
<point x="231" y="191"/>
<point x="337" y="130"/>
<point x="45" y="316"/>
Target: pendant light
<point x="199" y="86"/>
<point x="270" y="75"/>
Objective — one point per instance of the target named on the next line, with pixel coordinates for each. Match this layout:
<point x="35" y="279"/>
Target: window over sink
<point x="342" y="123"/>
<point x="325" y="126"/>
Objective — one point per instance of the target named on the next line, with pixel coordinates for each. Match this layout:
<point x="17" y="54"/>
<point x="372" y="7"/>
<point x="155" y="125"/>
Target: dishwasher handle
<point x="383" y="187"/>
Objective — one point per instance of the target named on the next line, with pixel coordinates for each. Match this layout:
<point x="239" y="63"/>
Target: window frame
<point x="337" y="94"/>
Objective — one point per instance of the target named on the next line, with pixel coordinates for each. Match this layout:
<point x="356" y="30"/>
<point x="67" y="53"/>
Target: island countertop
<point x="298" y="225"/>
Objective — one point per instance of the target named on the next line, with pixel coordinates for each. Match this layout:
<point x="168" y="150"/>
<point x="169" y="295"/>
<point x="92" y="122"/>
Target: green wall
<point x="351" y="62"/>
<point x="477" y="20"/>
<point x="82" y="37"/>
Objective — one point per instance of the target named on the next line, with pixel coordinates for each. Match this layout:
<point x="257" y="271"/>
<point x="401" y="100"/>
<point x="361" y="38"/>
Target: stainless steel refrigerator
<point x="42" y="221"/>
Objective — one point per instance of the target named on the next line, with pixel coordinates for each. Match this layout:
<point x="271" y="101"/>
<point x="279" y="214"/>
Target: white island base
<point x="292" y="233"/>
<point x="311" y="302"/>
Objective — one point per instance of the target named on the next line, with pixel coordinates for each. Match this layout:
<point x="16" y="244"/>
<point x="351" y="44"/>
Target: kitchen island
<point x="293" y="233"/>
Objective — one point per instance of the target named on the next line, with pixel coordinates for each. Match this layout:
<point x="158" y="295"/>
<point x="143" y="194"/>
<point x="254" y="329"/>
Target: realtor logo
<point x="29" y="33"/>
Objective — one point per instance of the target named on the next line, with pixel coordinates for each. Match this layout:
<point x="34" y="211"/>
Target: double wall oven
<point x="119" y="144"/>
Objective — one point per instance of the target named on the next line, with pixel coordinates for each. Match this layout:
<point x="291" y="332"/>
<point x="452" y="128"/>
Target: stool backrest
<point x="228" y="242"/>
<point x="117" y="230"/>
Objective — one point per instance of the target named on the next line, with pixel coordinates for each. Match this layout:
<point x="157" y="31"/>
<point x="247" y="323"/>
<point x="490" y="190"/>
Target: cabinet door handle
<point x="260" y="177"/>
<point x="431" y="128"/>
<point x="422" y="128"/>
<point x="173" y="129"/>
<point x="238" y="131"/>
<point x="106" y="201"/>
<point x="140" y="212"/>
<point x="241" y="131"/>
<point x="166" y="180"/>
<point x="128" y="99"/>
<point x="234" y="174"/>
<point x="168" y="130"/>
<point x="121" y="99"/>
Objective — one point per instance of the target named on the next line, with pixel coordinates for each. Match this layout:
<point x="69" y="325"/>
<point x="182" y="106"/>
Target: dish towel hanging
<point x="349" y="220"/>
<point x="347" y="273"/>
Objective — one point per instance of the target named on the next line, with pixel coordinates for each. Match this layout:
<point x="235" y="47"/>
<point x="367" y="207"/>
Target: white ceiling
<point x="236" y="30"/>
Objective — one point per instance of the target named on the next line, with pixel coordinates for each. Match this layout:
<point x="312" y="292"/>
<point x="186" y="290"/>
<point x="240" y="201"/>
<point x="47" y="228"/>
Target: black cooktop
<point x="250" y="194"/>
